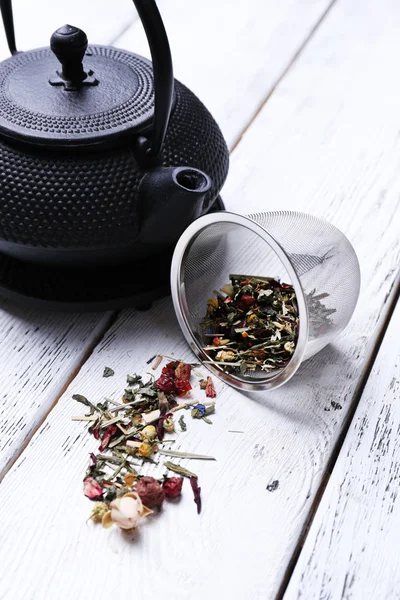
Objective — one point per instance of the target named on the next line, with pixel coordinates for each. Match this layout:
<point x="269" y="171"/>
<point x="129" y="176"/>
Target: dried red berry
<point x="150" y="492"/>
<point x="173" y="487"/>
<point x="165" y="383"/>
<point x="245" y="302"/>
<point x="92" y="489"/>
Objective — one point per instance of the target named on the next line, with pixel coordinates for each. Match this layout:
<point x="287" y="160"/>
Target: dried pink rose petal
<point x="210" y="389"/>
<point x="92" y="489"/>
<point x="106" y="438"/>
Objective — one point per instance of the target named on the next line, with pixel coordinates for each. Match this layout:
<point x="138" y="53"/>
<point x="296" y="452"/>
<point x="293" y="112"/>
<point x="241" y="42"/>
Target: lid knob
<point x="69" y="44"/>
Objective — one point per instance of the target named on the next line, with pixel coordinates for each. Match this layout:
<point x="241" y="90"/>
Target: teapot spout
<point x="170" y="199"/>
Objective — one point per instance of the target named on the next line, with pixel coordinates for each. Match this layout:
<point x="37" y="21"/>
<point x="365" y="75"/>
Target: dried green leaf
<point x="133" y="379"/>
<point x="82" y="399"/>
<point x="178" y="469"/>
<point x="108" y="372"/>
<point x="182" y="423"/>
<point x="189" y="455"/>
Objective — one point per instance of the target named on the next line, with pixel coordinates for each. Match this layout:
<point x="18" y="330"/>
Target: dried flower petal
<point x="145" y="449"/>
<point x="92" y="489"/>
<point x="169" y="424"/>
<point x="183" y="371"/>
<point x="212" y="304"/>
<point x="148" y="433"/>
<point x="107" y="435"/>
<point x="127" y="510"/>
<point x="196" y="493"/>
<point x="210" y="389"/>
<point x="150" y="492"/>
<point x="98" y="512"/>
<point x="165" y="383"/>
<point x="172" y="487"/>
<point x="289" y="347"/>
<point x="130" y="479"/>
<point x="107" y="521"/>
<point x="226" y="355"/>
<point x="201" y="410"/>
<point x="182" y="387"/>
<point x="203" y="384"/>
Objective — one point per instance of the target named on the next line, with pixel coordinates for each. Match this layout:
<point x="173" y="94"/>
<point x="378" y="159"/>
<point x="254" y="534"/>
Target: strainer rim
<point x="181" y="310"/>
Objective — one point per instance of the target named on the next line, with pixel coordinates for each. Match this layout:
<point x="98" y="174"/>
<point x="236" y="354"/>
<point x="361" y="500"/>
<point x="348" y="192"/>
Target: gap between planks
<point x="89" y="351"/>
<point x="114" y="316"/>
<point x="285" y="71"/>
<point x="392" y="299"/>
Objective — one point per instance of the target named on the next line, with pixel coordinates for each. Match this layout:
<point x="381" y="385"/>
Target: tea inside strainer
<point x="300" y="250"/>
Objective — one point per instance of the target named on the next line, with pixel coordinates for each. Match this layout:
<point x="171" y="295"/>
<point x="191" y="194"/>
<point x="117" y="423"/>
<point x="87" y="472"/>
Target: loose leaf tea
<point x="131" y="434"/>
<point x="108" y="372"/>
<point x="252" y="326"/>
<point x="319" y="315"/>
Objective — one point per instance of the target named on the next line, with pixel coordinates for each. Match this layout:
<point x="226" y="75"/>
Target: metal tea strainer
<point x="304" y="251"/>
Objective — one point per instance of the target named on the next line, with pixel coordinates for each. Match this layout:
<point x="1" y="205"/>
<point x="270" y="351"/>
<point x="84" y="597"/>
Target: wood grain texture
<point x="352" y="548"/>
<point x="229" y="56"/>
<point x="39" y="354"/>
<point x="327" y="142"/>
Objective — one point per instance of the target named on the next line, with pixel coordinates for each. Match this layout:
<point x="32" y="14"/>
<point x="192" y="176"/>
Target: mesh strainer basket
<point x="304" y="251"/>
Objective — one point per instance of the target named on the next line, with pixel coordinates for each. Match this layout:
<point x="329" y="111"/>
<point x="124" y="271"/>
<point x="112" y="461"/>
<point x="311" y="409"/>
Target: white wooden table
<point x="307" y="93"/>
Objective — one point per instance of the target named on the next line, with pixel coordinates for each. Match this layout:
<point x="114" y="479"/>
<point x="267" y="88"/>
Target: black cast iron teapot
<point x="104" y="161"/>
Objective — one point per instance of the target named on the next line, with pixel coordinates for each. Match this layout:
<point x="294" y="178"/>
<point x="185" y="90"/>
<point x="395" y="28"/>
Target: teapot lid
<point x="96" y="94"/>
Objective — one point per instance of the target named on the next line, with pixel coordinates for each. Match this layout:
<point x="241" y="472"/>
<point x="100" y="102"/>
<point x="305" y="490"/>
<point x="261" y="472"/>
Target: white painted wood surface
<point x="65" y="348"/>
<point x="326" y="142"/>
<point x="352" y="549"/>
<point x="39" y="354"/>
<point x="232" y="56"/>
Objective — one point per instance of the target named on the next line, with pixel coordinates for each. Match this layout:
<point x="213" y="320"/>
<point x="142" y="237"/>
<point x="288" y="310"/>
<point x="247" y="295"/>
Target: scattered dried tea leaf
<point x="196" y="492"/>
<point x="190" y="455"/>
<point x="271" y="487"/>
<point x="108" y="372"/>
<point x="178" y="469"/>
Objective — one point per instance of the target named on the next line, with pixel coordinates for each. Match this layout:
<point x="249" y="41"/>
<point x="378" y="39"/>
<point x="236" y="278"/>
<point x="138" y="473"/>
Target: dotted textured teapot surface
<point x="88" y="199"/>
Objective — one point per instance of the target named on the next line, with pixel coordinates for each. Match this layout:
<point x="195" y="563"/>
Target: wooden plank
<point x="229" y="56"/>
<point x="103" y="26"/>
<point x="352" y="548"/>
<point x="39" y="353"/>
<point x="324" y="143"/>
